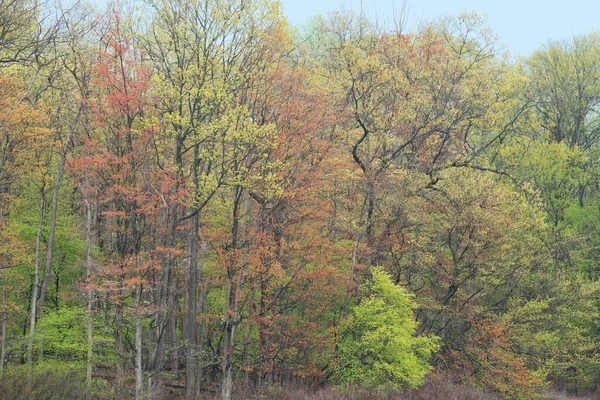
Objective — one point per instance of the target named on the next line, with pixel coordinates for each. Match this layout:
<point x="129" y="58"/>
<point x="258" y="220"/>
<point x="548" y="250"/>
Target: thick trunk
<point x="159" y="353"/>
<point x="194" y="353"/>
<point x="192" y="330"/>
<point x="229" y="335"/>
<point x="232" y="312"/>
<point x="36" y="278"/>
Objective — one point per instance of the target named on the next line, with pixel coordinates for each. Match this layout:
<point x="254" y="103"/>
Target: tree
<point x="378" y="346"/>
<point x="24" y="134"/>
<point x="424" y="102"/>
<point x="132" y="190"/>
<point x="565" y="81"/>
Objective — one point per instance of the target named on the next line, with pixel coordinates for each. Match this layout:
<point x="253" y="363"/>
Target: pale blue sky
<point x="521" y="25"/>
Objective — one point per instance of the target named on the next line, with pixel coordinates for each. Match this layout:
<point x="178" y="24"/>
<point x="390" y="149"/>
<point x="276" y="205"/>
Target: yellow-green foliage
<point x="64" y="337"/>
<point x="378" y="346"/>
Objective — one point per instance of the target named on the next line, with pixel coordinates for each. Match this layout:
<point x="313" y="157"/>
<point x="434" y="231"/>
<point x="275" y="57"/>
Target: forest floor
<point x="18" y="383"/>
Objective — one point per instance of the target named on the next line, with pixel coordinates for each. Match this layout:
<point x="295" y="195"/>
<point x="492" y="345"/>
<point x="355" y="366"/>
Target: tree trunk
<point x="138" y="342"/>
<point x="90" y="294"/>
<point x="3" y="319"/>
<point x="164" y="317"/>
<point x="230" y="324"/>
<point x="172" y="306"/>
<point x="120" y="351"/>
<point x="192" y="330"/>
<point x="202" y="308"/>
<point x="231" y="313"/>
<point x="36" y="278"/>
<point x="55" y="191"/>
<point x="59" y="175"/>
<point x="173" y="342"/>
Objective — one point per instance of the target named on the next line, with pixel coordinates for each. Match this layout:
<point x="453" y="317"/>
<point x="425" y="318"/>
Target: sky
<point x="522" y="26"/>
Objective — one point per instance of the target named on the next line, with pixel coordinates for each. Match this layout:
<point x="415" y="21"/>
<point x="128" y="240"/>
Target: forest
<point x="200" y="201"/>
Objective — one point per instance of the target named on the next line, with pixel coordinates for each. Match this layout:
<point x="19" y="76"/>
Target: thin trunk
<point x="202" y="308"/>
<point x="36" y="277"/>
<point x="581" y="195"/>
<point x="164" y="317"/>
<point x="120" y="352"/>
<point x="150" y="335"/>
<point x="3" y="318"/>
<point x="262" y="333"/>
<point x="159" y="354"/>
<point x="90" y="294"/>
<point x="54" y="208"/>
<point x="174" y="345"/>
<point x="171" y="302"/>
<point x="247" y="360"/>
<point x="138" y="340"/>
<point x="59" y="175"/>
<point x="370" y="202"/>
<point x="184" y="318"/>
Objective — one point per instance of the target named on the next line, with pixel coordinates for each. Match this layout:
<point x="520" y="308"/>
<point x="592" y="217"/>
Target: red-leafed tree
<point x="296" y="275"/>
<point x="130" y="188"/>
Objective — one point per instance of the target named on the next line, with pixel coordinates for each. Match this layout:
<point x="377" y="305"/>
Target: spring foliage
<point x="378" y="345"/>
<point x="198" y="194"/>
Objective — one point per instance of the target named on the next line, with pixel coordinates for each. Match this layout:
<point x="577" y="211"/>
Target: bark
<point x="164" y="317"/>
<point x="120" y="352"/>
<point x="171" y="302"/>
<point x="59" y="175"/>
<point x="3" y="319"/>
<point x="201" y="340"/>
<point x="36" y="278"/>
<point x="174" y="343"/>
<point x="90" y="294"/>
<point x="365" y="166"/>
<point x="54" y="208"/>
<point x="138" y="343"/>
<point x="192" y="330"/>
<point x="230" y="324"/>
<point x="232" y="311"/>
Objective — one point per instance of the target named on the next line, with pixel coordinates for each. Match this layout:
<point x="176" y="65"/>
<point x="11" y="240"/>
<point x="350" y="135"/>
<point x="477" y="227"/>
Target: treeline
<point x="194" y="194"/>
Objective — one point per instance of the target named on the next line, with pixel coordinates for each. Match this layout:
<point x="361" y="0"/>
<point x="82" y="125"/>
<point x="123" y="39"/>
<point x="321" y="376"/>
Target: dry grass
<point x="50" y="383"/>
<point x="43" y="383"/>
<point x="439" y="388"/>
<point x="562" y="395"/>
